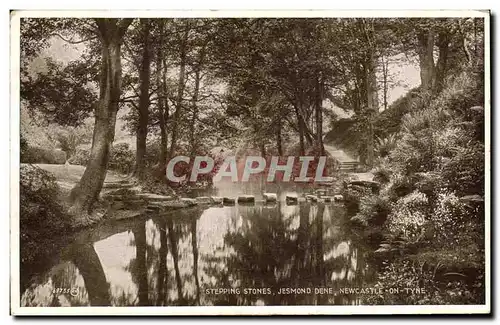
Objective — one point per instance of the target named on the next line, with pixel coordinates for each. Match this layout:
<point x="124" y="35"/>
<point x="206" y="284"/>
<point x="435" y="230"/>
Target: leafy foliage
<point x="36" y="155"/>
<point x="405" y="275"/>
<point x="373" y="211"/>
<point x="122" y="158"/>
<point x="62" y="93"/>
<point x="41" y="216"/>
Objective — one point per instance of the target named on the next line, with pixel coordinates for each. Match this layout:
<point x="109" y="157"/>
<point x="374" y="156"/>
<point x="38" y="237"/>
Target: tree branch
<point x="71" y="41"/>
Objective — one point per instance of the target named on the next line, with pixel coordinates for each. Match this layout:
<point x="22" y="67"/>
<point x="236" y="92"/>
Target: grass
<point x="72" y="173"/>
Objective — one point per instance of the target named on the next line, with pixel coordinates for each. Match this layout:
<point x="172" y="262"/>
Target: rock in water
<point x="216" y="199"/>
<point x="321" y="192"/>
<point x="270" y="197"/>
<point x="312" y="198"/>
<point x="338" y="198"/>
<point x="291" y="199"/>
<point x="228" y="201"/>
<point x="246" y="199"/>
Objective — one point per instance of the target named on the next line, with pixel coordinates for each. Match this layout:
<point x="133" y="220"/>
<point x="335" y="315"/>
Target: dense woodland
<point x="187" y="86"/>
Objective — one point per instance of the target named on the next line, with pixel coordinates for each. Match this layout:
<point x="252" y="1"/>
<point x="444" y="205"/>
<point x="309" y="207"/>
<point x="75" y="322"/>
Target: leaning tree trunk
<point x="86" y="192"/>
<point x="144" y="76"/>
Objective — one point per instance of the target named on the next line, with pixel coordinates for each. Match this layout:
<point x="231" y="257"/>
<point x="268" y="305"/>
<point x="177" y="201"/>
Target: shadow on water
<point x="240" y="255"/>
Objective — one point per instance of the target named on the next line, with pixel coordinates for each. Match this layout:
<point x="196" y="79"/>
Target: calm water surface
<point x="274" y="254"/>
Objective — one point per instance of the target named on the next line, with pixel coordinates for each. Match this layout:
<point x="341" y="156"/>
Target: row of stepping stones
<point x="122" y="195"/>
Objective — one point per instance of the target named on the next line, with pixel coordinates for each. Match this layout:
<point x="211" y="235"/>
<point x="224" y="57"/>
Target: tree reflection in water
<point x="173" y="259"/>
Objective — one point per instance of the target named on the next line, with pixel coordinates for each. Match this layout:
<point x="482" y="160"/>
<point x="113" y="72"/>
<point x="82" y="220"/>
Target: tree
<point x="144" y="76"/>
<point x="111" y="32"/>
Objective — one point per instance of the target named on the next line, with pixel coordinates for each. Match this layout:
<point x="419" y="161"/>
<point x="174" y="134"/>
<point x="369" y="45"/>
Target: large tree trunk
<point x="442" y="63"/>
<point x="161" y="83"/>
<point x="86" y="192"/>
<point x="425" y="51"/>
<point x="373" y="105"/>
<point x="194" y="101"/>
<point x="385" y="81"/>
<point x="318" y="107"/>
<point x="180" y="92"/>
<point x="144" y="75"/>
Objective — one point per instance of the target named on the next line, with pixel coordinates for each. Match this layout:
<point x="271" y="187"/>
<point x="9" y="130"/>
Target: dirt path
<point x="68" y="175"/>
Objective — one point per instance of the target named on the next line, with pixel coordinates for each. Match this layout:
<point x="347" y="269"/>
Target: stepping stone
<point x="246" y="199"/>
<point x="164" y="205"/>
<point x="189" y="202"/>
<point x="270" y="197"/>
<point x="216" y="199"/>
<point x="228" y="201"/>
<point x="291" y="199"/>
<point x="312" y="198"/>
<point x="117" y="185"/>
<point x="203" y="200"/>
<point x="320" y="192"/>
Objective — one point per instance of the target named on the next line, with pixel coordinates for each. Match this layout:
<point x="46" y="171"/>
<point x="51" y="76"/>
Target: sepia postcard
<point x="250" y="162"/>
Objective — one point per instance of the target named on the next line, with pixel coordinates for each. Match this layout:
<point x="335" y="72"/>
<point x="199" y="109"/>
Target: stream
<point x="262" y="254"/>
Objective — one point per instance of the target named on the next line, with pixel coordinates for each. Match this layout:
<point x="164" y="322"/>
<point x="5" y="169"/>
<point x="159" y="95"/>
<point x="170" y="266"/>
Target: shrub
<point x="37" y="155"/>
<point x="81" y="157"/>
<point x="428" y="183"/>
<point x="41" y="216"/>
<point x="373" y="211"/>
<point x="69" y="138"/>
<point x="450" y="216"/>
<point x="353" y="196"/>
<point x="382" y="174"/>
<point x="122" y="159"/>
<point x="398" y="186"/>
<point x="409" y="216"/>
<point x="464" y="173"/>
<point x="406" y="274"/>
<point x="383" y="146"/>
